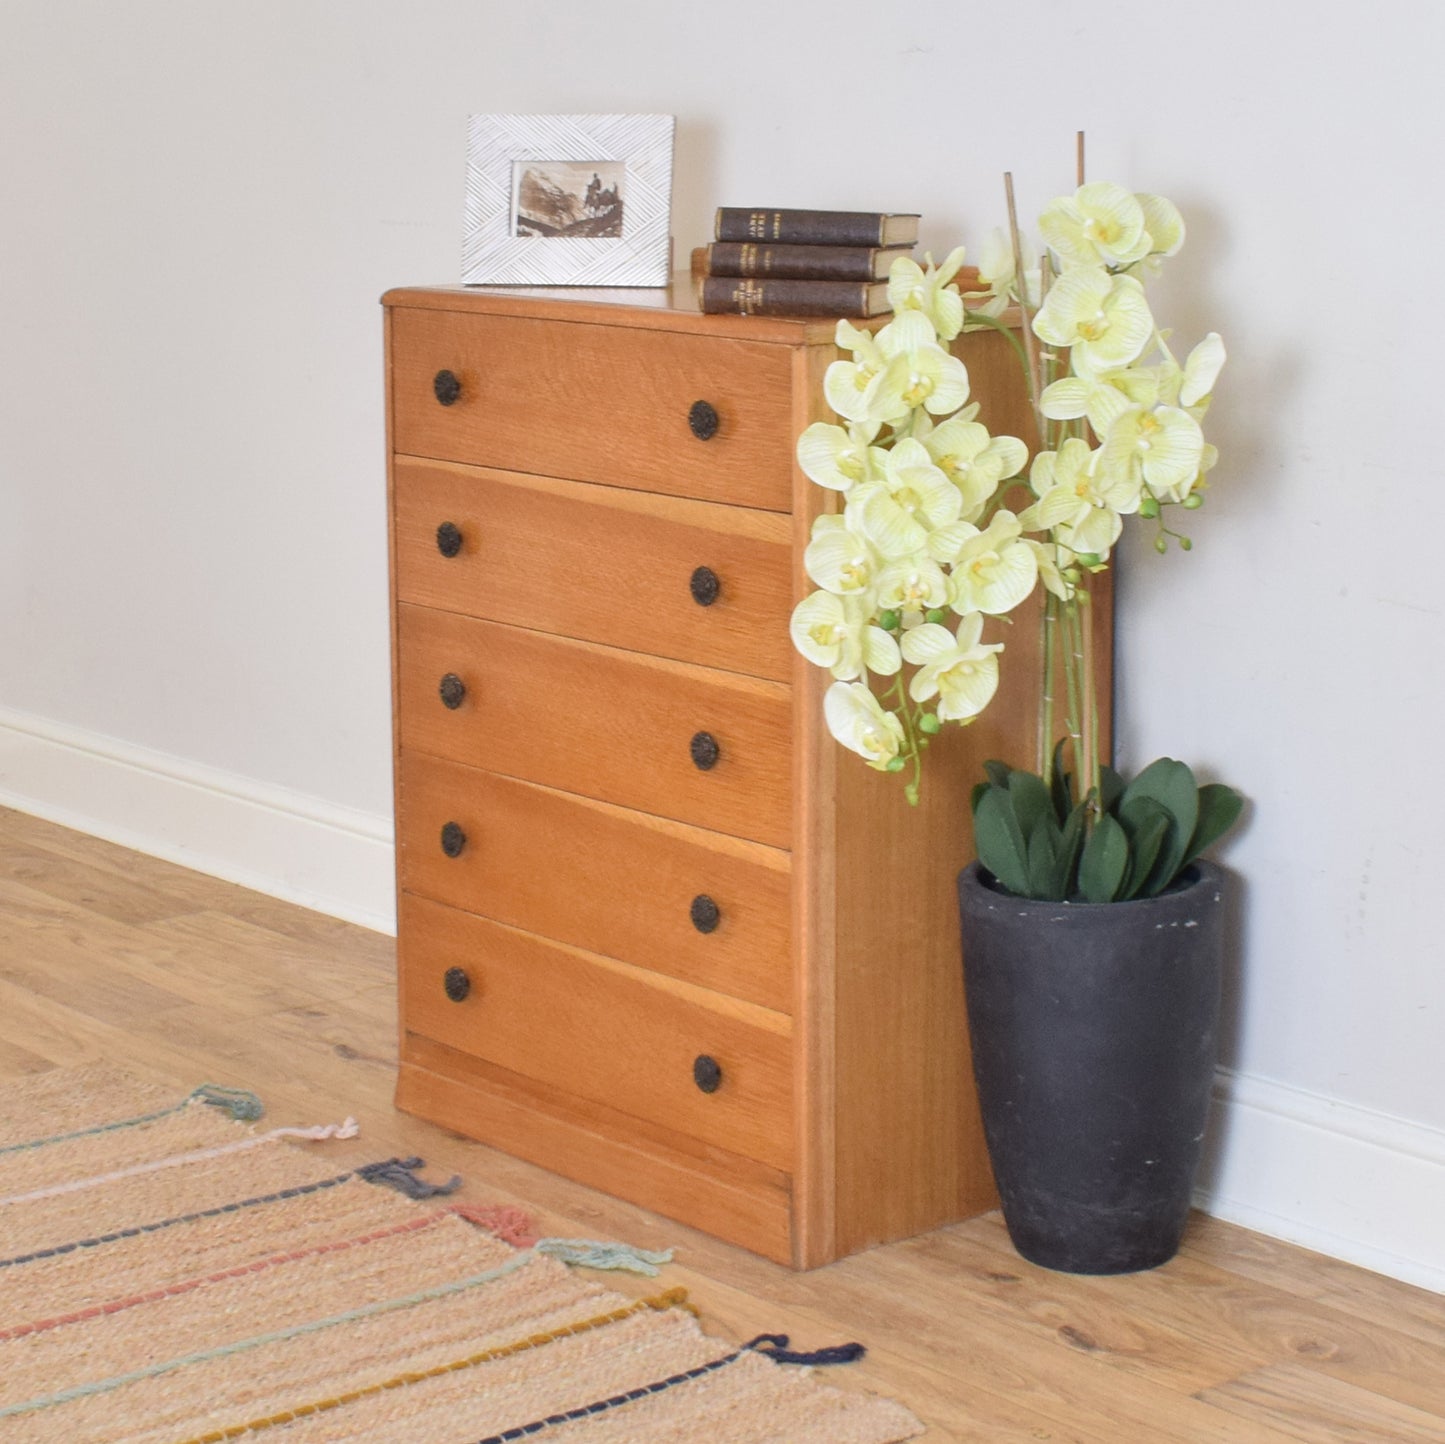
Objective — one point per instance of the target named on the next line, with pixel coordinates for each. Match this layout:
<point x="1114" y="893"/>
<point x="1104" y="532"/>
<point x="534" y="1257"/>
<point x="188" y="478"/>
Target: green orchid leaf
<point x="998" y="773"/>
<point x="979" y="788"/>
<point x="1000" y="842"/>
<point x="1031" y="803"/>
<point x="1071" y="845"/>
<point x="1144" y="844"/>
<point x="1219" y="809"/>
<point x="1103" y="861"/>
<point x="1111" y="787"/>
<point x="1043" y="864"/>
<point x="1171" y="784"/>
<point x="1061" y="783"/>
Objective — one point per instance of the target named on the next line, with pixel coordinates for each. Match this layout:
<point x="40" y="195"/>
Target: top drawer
<point x="596" y="403"/>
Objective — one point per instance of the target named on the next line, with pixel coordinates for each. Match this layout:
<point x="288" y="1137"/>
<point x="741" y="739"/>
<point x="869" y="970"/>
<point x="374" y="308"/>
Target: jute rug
<point x="173" y="1270"/>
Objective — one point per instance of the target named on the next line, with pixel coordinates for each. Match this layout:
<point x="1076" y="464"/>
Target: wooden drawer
<point x="598" y="563"/>
<point x="596" y="403"/>
<point x="599" y="877"/>
<point x="617" y="726"/>
<point x="600" y="1030"/>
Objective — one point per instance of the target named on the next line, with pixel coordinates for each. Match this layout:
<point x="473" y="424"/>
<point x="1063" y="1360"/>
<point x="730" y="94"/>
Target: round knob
<point x="453" y="839"/>
<point x="704" y="586"/>
<point x="446" y="387"/>
<point x="704" y="913"/>
<point x="457" y="984"/>
<point x="702" y="418"/>
<point x="706" y="1073"/>
<point x="704" y="750"/>
<point x="452" y="690"/>
<point x="449" y="539"/>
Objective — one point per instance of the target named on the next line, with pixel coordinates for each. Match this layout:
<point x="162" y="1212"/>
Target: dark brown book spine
<point x="817" y="263"/>
<point x="803" y="228"/>
<point x="748" y="296"/>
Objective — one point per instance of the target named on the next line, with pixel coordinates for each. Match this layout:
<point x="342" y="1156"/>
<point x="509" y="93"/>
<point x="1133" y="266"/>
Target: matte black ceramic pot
<point x="1094" y="1031"/>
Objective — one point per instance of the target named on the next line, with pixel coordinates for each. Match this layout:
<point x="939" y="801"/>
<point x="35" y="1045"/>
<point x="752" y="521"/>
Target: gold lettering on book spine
<point x="748" y="259"/>
<point x="748" y="297"/>
<point x="758" y="225"/>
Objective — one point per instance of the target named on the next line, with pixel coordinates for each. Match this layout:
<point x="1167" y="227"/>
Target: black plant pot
<point x="1094" y="1032"/>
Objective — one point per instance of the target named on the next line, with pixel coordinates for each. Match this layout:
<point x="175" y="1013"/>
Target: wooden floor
<point x="105" y="953"/>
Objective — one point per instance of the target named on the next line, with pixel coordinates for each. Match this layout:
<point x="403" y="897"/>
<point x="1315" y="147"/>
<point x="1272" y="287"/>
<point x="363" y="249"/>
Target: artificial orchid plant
<point x="930" y="547"/>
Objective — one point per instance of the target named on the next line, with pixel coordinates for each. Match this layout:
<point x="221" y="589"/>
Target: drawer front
<point x="685" y="579"/>
<point x="699" y="906"/>
<point x="613" y="725"/>
<point x="596" y="403"/>
<point x="599" y="1031"/>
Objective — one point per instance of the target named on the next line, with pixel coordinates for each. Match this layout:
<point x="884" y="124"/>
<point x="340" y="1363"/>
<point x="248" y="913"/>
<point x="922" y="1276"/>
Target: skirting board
<point x="1330" y="1176"/>
<point x="335" y="860"/>
<point x="1327" y="1175"/>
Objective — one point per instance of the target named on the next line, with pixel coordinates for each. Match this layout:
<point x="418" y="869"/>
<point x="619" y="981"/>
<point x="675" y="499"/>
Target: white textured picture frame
<point x="638" y="153"/>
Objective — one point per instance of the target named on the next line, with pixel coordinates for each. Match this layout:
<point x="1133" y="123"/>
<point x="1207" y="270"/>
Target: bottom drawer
<point x="673" y="1054"/>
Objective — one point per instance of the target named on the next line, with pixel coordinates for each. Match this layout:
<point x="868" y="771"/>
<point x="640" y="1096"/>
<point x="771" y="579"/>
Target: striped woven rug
<point x="173" y="1270"/>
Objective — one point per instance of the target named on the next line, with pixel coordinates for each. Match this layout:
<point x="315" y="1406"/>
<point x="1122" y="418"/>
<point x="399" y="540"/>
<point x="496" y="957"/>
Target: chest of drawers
<point x="657" y="931"/>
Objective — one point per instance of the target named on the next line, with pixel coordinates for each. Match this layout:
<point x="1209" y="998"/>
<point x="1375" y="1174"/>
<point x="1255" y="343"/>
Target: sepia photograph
<point x="568" y="198"/>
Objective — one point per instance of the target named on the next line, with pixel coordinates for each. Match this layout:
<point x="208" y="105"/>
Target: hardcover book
<point x="750" y="296"/>
<point x="817" y="228"/>
<point x="785" y="262"/>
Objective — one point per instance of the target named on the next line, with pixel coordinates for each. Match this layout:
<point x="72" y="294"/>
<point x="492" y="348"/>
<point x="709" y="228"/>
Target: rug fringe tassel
<point x="616" y="1257"/>
<point x="775" y="1347"/>
<point x="242" y="1105"/>
<point x="502" y="1220"/>
<point x="400" y="1174"/>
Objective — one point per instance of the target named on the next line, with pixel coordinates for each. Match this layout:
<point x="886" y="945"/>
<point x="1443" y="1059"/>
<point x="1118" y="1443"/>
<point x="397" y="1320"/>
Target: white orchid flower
<point x="1201" y="371"/>
<point x="1101" y="224"/>
<point x="857" y="720"/>
<point x="911" y="287"/>
<point x="840" y="558"/>
<point x="954" y="667"/>
<point x="1053" y="559"/>
<point x="897" y="513"/>
<point x="1101" y="397"/>
<point x="1081" y="503"/>
<point x="868" y="389"/>
<point x="836" y="458"/>
<point x="835" y="632"/>
<point x="1160" y="446"/>
<point x="912" y="586"/>
<point x="1104" y="318"/>
<point x="935" y="379"/>
<point x="995" y="571"/>
<point x="1164" y="224"/>
<point x="997" y="273"/>
<point x="974" y="461"/>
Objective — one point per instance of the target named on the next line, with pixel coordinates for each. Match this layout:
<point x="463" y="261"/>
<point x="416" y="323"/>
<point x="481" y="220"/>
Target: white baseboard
<point x="1342" y="1180"/>
<point x="335" y="860"/>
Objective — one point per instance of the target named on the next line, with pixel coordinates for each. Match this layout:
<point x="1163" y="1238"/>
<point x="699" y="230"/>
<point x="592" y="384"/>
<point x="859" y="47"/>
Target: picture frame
<point x="568" y="200"/>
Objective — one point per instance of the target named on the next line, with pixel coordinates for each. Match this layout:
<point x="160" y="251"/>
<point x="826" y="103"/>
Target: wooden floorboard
<point x="105" y="953"/>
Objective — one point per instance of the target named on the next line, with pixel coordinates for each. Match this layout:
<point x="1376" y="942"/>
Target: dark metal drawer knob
<point x="449" y="539"/>
<point x="704" y="750"/>
<point x="453" y="839"/>
<point x="704" y="586"/>
<point x="457" y="984"/>
<point x="704" y="913"/>
<point x="452" y="690"/>
<point x="702" y="418"/>
<point x="446" y="387"/>
<point x="706" y="1073"/>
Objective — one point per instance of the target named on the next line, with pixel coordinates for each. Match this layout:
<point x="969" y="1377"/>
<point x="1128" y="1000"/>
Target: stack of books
<point x="801" y="263"/>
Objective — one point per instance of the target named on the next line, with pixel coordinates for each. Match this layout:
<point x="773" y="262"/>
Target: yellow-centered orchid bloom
<point x="1101" y="224"/>
<point x="834" y="632"/>
<point x="994" y="571"/>
<point x="856" y="719"/>
<point x="840" y="559"/>
<point x="974" y="461"/>
<point x="997" y="274"/>
<point x="897" y="513"/>
<point x="1159" y="446"/>
<point x="911" y="287"/>
<point x="934" y="379"/>
<point x="836" y="458"/>
<point x="1104" y="318"/>
<point x="911" y="587"/>
<point x="1078" y="501"/>
<point x="954" y="667"/>
<point x="868" y="389"/>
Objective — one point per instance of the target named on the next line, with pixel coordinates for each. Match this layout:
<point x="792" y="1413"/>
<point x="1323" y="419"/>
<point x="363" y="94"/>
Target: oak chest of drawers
<point x="657" y="932"/>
